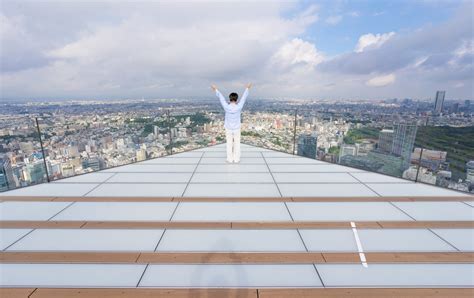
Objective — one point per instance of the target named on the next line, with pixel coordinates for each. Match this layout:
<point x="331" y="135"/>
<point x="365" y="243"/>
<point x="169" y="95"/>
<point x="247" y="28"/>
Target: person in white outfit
<point x="232" y="121"/>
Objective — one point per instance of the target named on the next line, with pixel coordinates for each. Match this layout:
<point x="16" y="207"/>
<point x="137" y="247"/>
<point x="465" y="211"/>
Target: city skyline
<point x="292" y="49"/>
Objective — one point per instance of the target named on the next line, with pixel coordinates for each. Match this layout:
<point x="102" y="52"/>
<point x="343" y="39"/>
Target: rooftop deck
<point x="273" y="221"/>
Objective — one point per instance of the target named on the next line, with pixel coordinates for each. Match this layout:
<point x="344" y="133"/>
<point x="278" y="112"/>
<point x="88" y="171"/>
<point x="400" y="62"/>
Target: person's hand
<point x="249" y="85"/>
<point x="213" y="87"/>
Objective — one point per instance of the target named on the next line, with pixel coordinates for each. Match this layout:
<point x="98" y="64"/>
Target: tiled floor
<point x="261" y="173"/>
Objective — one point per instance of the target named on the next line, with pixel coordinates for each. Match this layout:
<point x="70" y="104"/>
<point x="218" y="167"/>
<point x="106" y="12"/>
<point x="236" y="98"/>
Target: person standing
<point x="232" y="121"/>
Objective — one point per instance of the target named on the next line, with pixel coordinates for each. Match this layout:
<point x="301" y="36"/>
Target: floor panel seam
<point x="364" y="184"/>
<point x="192" y="175"/>
<point x="270" y="171"/>
<point x="98" y="185"/>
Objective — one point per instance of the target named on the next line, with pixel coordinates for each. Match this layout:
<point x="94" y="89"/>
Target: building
<point x="141" y="154"/>
<point x="6" y="175"/>
<point x="439" y="101"/>
<point x="349" y="150"/>
<point x="307" y="145"/>
<point x="35" y="172"/>
<point x="470" y="171"/>
<point x="385" y="140"/>
<point x="404" y="136"/>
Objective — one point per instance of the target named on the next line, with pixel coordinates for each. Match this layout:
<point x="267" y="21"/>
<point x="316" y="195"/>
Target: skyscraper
<point x="307" y="144"/>
<point x="404" y="135"/>
<point x="385" y="140"/>
<point x="6" y="175"/>
<point x="439" y="101"/>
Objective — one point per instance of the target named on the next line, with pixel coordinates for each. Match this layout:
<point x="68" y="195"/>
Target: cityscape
<point x="405" y="138"/>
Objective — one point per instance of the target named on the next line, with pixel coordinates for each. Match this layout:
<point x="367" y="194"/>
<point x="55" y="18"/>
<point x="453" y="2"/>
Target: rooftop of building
<point x="276" y="220"/>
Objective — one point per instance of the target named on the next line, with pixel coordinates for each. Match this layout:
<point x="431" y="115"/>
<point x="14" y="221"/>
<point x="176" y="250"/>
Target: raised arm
<point x="241" y="102"/>
<point x="220" y="96"/>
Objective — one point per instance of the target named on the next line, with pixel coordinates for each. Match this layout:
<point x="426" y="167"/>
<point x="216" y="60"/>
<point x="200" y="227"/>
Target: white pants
<point x="233" y="144"/>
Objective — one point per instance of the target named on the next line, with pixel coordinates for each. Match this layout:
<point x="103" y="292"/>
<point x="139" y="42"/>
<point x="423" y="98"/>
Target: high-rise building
<point x="6" y="175"/>
<point x="35" y="171"/>
<point x="307" y="144"/>
<point x="385" y="140"/>
<point x="439" y="101"/>
<point x="141" y="154"/>
<point x="404" y="135"/>
<point x="470" y="171"/>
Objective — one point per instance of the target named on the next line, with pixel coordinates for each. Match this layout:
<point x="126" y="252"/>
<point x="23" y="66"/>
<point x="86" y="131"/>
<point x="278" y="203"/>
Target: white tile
<point x="96" y="177"/>
<point x="470" y="203"/>
<point x="397" y="275"/>
<point x="412" y="189"/>
<point x="314" y="178"/>
<point x="232" y="190"/>
<point x="141" y="211"/>
<point x="185" y="154"/>
<point x="165" y="168"/>
<point x="378" y="178"/>
<point x="70" y="275"/>
<point x="230" y="276"/>
<point x="224" y="154"/>
<point x="222" y="161"/>
<point x="30" y="210"/>
<point x="52" y="189"/>
<point x="292" y="160"/>
<point x="306" y="168"/>
<point x="271" y="154"/>
<point x="401" y="240"/>
<point x="462" y="239"/>
<point x="345" y="211"/>
<point x="138" y="190"/>
<point x="232" y="178"/>
<point x="151" y="177"/>
<point x="9" y="236"/>
<point x="329" y="240"/>
<point x="437" y="210"/>
<point x="231" y="240"/>
<point x="172" y="161"/>
<point x="89" y="240"/>
<point x="231" y="211"/>
<point x="232" y="168"/>
<point x="325" y="190"/>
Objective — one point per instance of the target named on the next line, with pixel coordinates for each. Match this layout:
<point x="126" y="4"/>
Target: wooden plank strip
<point x="16" y="292"/>
<point x="156" y="225"/>
<point x="234" y="225"/>
<point x="365" y="292"/>
<point x="426" y="224"/>
<point x="148" y="293"/>
<point x="35" y="224"/>
<point x="231" y="257"/>
<point x="238" y="199"/>
<point x="68" y="257"/>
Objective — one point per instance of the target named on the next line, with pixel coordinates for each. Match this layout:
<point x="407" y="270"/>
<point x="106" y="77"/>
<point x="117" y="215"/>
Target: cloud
<point x="297" y="52"/>
<point x="381" y="81"/>
<point x="334" y="20"/>
<point x="372" y="41"/>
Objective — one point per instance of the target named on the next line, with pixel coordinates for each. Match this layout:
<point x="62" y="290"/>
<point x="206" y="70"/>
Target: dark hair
<point x="233" y="97"/>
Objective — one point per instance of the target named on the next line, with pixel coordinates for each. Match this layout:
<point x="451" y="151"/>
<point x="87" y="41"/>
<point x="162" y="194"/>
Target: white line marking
<point x="359" y="245"/>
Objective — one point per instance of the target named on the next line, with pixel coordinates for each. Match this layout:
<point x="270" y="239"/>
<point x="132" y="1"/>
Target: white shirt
<point x="232" y="110"/>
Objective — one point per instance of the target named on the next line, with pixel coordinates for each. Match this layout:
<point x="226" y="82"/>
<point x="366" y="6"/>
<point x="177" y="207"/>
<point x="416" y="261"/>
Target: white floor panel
<point x="70" y="275"/>
<point x="316" y="168"/>
<point x="9" y="236"/>
<point x="231" y="240"/>
<point x="378" y="178"/>
<point x="412" y="189"/>
<point x="138" y="190"/>
<point x="314" y="178"/>
<point x="325" y="190"/>
<point x="397" y="275"/>
<point x="232" y="178"/>
<point x="151" y="178"/>
<point x="53" y="190"/>
<point x="30" y="210"/>
<point x="89" y="240"/>
<point x="462" y="239"/>
<point x="231" y="211"/>
<point x="232" y="168"/>
<point x="346" y="211"/>
<point x="402" y="240"/>
<point x="144" y="168"/>
<point x="232" y="190"/>
<point x="222" y="161"/>
<point x="96" y="177"/>
<point x="334" y="240"/>
<point x="142" y="211"/>
<point x="292" y="160"/>
<point x="171" y="161"/>
<point x="230" y="276"/>
<point x="437" y="210"/>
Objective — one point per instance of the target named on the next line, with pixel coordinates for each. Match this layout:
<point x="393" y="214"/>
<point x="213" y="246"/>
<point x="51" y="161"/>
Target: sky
<point x="340" y="49"/>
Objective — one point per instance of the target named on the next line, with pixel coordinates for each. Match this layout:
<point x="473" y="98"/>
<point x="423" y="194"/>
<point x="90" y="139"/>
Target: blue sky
<point x="289" y="49"/>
